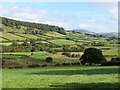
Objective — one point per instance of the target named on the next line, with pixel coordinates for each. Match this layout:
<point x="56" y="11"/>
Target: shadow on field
<point x="75" y="72"/>
<point x="75" y="86"/>
<point x="91" y="86"/>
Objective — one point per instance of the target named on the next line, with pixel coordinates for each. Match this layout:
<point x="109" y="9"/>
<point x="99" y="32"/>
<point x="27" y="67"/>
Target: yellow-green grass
<point x="30" y="36"/>
<point x="27" y="53"/>
<point x="55" y="34"/>
<point x="6" y="44"/>
<point x="11" y="36"/>
<point x="78" y="36"/>
<point x="45" y="37"/>
<point x="9" y="43"/>
<point x="111" y="52"/>
<point x="44" y="42"/>
<point x="69" y="77"/>
<point x="62" y="42"/>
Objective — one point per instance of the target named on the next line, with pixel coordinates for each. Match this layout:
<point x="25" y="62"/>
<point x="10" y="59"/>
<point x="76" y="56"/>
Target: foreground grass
<point x="61" y="77"/>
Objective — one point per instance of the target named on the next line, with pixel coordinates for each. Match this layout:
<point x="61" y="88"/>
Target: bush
<point x="49" y="59"/>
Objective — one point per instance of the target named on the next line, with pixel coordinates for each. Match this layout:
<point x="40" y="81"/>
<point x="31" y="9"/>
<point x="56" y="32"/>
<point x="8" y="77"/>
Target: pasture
<point x="29" y="36"/>
<point x="11" y="36"/>
<point x="61" y="77"/>
<point x="24" y="58"/>
<point x="62" y="42"/>
<point x="55" y="34"/>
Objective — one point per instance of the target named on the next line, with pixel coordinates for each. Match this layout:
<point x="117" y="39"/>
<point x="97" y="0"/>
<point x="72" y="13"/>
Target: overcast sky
<point x="96" y="17"/>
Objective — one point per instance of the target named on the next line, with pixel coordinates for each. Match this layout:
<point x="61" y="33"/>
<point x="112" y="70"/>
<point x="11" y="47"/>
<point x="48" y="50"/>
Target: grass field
<point x="62" y="42"/>
<point x="55" y="34"/>
<point x="37" y="57"/>
<point x="61" y="77"/>
<point x="30" y="36"/>
<point x="113" y="51"/>
<point x="11" y="36"/>
<point x="9" y="43"/>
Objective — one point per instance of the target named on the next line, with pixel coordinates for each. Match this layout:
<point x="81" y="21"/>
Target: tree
<point x="49" y="59"/>
<point x="92" y="55"/>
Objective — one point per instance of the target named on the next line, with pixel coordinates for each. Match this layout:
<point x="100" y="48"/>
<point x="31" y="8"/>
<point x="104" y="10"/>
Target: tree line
<point x="31" y="26"/>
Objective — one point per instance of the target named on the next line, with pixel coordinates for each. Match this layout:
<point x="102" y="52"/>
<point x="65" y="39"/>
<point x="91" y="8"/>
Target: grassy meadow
<point x="61" y="77"/>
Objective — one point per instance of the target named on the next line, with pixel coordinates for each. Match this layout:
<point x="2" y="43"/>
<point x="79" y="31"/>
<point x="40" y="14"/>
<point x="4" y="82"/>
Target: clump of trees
<point x="92" y="55"/>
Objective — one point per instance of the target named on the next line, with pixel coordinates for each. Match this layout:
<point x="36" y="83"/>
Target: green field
<point x="11" y="36"/>
<point x="55" y="34"/>
<point x="30" y="36"/>
<point x="113" y="51"/>
<point x="37" y="57"/>
<point x="61" y="77"/>
<point x="62" y="42"/>
<point x="9" y="43"/>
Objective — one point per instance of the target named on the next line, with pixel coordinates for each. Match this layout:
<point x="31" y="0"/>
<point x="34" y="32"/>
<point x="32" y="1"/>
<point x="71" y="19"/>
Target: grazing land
<point x="62" y="77"/>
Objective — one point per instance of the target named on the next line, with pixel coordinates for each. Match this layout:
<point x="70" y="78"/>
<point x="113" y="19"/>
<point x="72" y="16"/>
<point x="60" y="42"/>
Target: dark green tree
<point x="92" y="55"/>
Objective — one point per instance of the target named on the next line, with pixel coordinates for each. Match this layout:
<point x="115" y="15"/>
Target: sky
<point x="92" y="16"/>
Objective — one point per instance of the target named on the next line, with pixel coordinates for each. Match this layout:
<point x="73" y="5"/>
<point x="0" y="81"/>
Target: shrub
<point x="49" y="59"/>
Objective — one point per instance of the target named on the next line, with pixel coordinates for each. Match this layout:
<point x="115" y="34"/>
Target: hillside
<point x="20" y="31"/>
<point x="39" y="41"/>
<point x="10" y="25"/>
